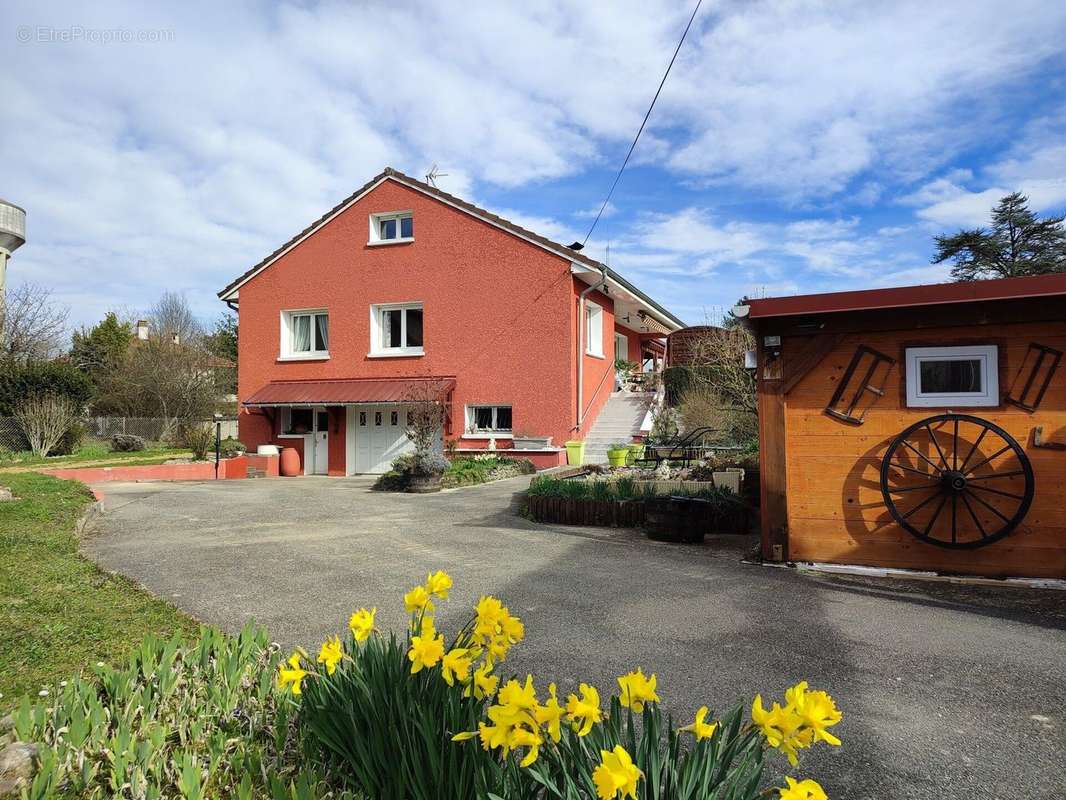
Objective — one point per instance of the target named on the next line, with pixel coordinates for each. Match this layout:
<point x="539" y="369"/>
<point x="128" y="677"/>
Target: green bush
<point x="178" y="721"/>
<point x="230" y="447"/>
<point x="199" y="438"/>
<point x="19" y="381"/>
<point x="71" y="441"/>
<point x="127" y="443"/>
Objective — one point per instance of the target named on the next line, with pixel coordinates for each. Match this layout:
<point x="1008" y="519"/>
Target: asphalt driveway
<point x="947" y="692"/>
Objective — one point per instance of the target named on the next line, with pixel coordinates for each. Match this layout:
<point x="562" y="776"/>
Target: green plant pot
<point x="617" y="458"/>
<point x="637" y="450"/>
<point x="575" y="453"/>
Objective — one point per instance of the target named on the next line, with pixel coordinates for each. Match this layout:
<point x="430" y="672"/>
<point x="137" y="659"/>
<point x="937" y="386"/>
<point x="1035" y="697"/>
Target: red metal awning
<point x="346" y="392"/>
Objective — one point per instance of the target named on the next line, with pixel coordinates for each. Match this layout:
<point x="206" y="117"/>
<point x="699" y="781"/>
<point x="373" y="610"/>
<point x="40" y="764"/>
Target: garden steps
<point x="618" y="421"/>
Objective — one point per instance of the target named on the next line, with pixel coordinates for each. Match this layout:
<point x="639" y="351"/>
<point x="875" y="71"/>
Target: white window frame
<point x="624" y="340"/>
<point x="593" y="329"/>
<point x="285" y="421"/>
<point x="285" y="349"/>
<point x="488" y="433"/>
<point x="377" y="329"/>
<point x="375" y="227"/>
<point x="986" y="354"/>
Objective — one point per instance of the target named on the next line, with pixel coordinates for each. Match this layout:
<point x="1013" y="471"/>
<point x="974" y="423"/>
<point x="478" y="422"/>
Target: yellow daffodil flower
<point x="484" y="683"/>
<point x="617" y="775"/>
<point x="294" y="675"/>
<point x="331" y="654"/>
<point x="801" y="790"/>
<point x="637" y="690"/>
<point x="439" y="583"/>
<point x="816" y="709"/>
<point x="426" y="650"/>
<point x="550" y="714"/>
<point x="418" y="599"/>
<point x="782" y="727"/>
<point x="526" y="737"/>
<point x="700" y="729"/>
<point x="455" y="665"/>
<point x="463" y="736"/>
<point x="362" y="623"/>
<point x="584" y="713"/>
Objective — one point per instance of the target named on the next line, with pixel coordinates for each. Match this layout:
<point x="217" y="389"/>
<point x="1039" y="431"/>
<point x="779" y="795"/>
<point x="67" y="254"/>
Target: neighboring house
<point x="919" y="427"/>
<point x="403" y="287"/>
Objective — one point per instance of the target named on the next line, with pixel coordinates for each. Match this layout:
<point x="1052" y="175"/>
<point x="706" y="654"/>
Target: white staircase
<point x="618" y="421"/>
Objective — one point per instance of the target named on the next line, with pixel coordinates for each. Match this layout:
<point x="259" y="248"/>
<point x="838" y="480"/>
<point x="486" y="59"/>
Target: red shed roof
<point x="901" y="296"/>
<point x="340" y="392"/>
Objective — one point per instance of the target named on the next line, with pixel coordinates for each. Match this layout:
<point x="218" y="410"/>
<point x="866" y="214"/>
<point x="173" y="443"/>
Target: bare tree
<point x="45" y="420"/>
<point x="713" y="358"/>
<point x="32" y="324"/>
<point x="161" y="378"/>
<point x="426" y="424"/>
<point x="172" y="317"/>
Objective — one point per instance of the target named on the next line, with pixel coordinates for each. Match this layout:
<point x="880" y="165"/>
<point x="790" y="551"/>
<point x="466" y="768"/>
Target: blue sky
<point x="797" y="147"/>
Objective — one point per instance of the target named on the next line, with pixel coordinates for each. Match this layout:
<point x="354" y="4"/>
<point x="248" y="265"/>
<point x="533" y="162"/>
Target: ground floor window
<point x="296" y="421"/>
<point x="953" y="376"/>
<point x="489" y="419"/>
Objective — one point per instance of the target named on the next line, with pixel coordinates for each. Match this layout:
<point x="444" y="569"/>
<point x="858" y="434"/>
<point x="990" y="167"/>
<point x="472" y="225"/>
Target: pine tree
<point x="1018" y="243"/>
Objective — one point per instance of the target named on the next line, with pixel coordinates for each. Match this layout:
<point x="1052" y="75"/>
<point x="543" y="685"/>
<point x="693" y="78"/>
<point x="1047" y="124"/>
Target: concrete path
<point x="947" y="692"/>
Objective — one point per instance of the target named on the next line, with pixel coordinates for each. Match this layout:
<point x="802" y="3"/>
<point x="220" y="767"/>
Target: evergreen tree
<point x="99" y="350"/>
<point x="1018" y="243"/>
<point x="222" y="342"/>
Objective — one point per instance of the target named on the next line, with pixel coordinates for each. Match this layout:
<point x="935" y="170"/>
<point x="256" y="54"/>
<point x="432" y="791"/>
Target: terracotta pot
<point x="289" y="464"/>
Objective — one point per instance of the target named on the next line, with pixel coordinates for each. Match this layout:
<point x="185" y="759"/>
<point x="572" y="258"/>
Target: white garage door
<point x="376" y="435"/>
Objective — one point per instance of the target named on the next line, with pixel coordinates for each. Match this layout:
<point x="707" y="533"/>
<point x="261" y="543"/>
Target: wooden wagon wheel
<point x="957" y="481"/>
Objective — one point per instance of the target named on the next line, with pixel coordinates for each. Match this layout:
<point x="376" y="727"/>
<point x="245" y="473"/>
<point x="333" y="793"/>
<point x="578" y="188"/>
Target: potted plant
<point x="617" y="454"/>
<point x="575" y="453"/>
<point x="426" y="473"/>
<point x="637" y="449"/>
<point x="524" y="440"/>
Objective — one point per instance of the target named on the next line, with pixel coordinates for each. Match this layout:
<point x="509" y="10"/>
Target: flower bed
<point x="383" y="716"/>
<point x="457" y="471"/>
<point x="624" y="503"/>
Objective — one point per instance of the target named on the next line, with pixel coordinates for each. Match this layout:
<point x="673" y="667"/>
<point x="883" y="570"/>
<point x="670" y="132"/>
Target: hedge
<point x="19" y="381"/>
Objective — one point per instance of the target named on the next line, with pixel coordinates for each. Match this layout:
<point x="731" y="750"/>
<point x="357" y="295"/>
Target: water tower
<point x="12" y="236"/>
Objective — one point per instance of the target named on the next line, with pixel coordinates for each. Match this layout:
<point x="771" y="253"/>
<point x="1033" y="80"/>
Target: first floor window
<point x="952" y="376"/>
<point x="593" y="329"/>
<point x="307" y="333"/>
<point x="398" y="329"/>
<point x="489" y="419"/>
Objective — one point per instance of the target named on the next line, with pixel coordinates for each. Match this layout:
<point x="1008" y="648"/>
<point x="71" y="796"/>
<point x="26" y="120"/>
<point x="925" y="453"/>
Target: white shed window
<point x="593" y="329"/>
<point x="396" y="330"/>
<point x="488" y="419"/>
<point x="943" y="377"/>
<point x="392" y="228"/>
<point x="305" y="334"/>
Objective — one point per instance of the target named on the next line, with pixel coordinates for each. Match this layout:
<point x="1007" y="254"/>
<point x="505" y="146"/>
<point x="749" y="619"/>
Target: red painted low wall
<point x="542" y="459"/>
<point x="269" y="464"/>
<point x="229" y="469"/>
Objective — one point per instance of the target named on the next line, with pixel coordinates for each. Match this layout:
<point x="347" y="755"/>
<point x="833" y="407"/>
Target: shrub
<point x="199" y="438"/>
<point x="126" y="443"/>
<point x="618" y="447"/>
<point x="230" y="447"/>
<point x="418" y="717"/>
<point x="191" y="721"/>
<point x="45" y="419"/>
<point x="430" y="463"/>
<point x="59" y="378"/>
<point x="664" y="425"/>
<point x="704" y="406"/>
<point x="71" y="440"/>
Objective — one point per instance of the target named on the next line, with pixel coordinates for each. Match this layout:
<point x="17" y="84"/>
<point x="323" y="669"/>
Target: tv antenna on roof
<point x="433" y="174"/>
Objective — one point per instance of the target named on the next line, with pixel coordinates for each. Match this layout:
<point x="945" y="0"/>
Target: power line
<point x="642" y="124"/>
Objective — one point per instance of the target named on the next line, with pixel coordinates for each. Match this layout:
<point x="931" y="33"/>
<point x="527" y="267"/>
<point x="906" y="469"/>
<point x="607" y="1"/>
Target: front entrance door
<point x="318" y="458"/>
<point x="376" y="435"/>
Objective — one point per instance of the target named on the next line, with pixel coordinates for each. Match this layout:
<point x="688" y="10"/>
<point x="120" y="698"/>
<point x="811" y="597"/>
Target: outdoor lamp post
<point x="218" y="442"/>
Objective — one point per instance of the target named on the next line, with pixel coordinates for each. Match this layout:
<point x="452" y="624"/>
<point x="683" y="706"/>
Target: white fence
<point x="151" y="429"/>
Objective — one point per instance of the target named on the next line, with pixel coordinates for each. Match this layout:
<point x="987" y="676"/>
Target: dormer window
<point x="392" y="228"/>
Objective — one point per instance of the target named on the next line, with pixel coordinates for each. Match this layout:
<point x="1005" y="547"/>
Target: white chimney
<point x="142" y="330"/>
<point x="175" y="338"/>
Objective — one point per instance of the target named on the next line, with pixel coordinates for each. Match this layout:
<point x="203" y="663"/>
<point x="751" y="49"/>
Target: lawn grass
<point x="58" y="612"/>
<point x="94" y="453"/>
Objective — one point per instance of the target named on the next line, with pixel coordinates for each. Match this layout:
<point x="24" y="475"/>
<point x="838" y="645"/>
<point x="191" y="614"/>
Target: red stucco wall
<point x="497" y="313"/>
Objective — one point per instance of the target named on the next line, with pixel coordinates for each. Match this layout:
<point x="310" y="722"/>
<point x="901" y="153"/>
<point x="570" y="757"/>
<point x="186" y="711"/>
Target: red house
<point x="403" y="287"/>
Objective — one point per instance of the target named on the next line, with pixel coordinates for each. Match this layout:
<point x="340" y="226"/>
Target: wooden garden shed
<point x="921" y="427"/>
